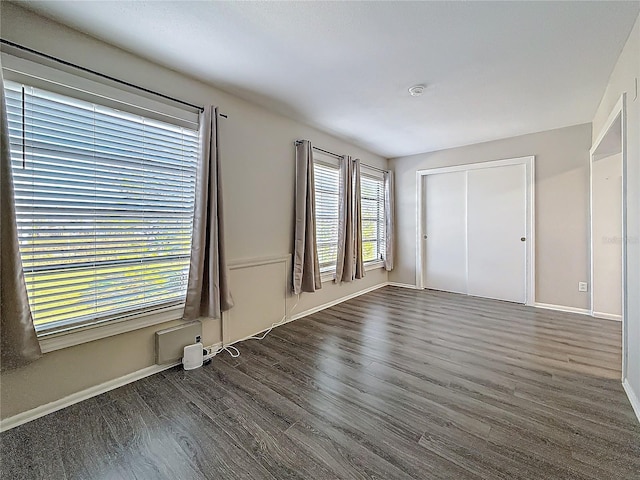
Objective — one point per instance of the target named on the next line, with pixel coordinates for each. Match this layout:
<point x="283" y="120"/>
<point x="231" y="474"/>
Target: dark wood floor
<point x="395" y="384"/>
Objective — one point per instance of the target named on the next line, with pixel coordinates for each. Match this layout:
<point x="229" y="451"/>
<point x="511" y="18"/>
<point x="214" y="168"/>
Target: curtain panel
<point x="389" y="218"/>
<point x="349" y="263"/>
<point x="306" y="266"/>
<point x="357" y="221"/>
<point x="19" y="342"/>
<point x="208" y="292"/>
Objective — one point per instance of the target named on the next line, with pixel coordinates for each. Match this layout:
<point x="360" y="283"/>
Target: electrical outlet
<point x="582" y="286"/>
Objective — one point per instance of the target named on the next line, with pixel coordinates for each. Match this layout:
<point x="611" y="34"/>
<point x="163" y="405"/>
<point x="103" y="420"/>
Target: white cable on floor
<point x="274" y="325"/>
<point x="229" y="348"/>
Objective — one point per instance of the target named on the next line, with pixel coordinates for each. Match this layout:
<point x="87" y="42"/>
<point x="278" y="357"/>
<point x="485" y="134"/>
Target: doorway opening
<point x="608" y="232"/>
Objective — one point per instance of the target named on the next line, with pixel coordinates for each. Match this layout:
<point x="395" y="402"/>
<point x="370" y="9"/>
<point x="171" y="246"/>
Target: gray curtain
<point x="357" y="221"/>
<point x="306" y="267"/>
<point x="389" y="209"/>
<point x="19" y="343"/>
<point x="349" y="265"/>
<point x="208" y="293"/>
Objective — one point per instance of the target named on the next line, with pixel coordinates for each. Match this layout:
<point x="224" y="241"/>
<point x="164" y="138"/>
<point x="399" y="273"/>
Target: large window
<point x="104" y="204"/>
<point x="373" y="223"/>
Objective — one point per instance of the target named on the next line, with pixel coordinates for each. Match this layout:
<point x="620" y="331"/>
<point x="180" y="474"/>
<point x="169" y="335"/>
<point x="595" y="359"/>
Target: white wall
<point x="561" y="206"/>
<point x="606" y="215"/>
<point x="258" y="177"/>
<point x="625" y="79"/>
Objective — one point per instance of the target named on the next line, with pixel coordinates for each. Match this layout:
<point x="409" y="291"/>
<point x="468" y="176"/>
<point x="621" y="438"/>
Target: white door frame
<point x="619" y="110"/>
<point x="529" y="163"/>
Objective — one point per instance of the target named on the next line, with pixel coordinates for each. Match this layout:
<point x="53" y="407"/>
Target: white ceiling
<point x="493" y="70"/>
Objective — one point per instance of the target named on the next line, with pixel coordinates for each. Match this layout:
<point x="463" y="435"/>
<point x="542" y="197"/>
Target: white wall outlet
<point x="582" y="286"/>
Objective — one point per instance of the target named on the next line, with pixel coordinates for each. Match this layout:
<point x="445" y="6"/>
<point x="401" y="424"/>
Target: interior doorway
<point x="608" y="233"/>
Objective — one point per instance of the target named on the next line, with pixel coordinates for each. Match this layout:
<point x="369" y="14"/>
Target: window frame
<point x="329" y="162"/>
<point x="21" y="70"/>
<point x="381" y="233"/>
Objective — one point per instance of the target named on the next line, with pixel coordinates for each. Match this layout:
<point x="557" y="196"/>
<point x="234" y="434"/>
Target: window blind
<point x="327" y="179"/>
<point x="373" y="224"/>
<point x="104" y="207"/>
<point x="58" y="79"/>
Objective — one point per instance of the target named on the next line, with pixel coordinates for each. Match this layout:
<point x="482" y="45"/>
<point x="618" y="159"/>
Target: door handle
<point x="523" y="239"/>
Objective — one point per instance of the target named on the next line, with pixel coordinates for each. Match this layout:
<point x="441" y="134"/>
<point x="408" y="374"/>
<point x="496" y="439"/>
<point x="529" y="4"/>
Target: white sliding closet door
<point x="474" y="229"/>
<point x="496" y="227"/>
<point x="445" y="230"/>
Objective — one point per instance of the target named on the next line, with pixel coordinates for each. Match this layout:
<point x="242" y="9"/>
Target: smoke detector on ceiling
<point x="416" y="90"/>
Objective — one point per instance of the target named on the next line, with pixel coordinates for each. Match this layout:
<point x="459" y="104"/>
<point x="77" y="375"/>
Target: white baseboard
<point x="90" y="392"/>
<point x="310" y="311"/>
<point x="96" y="390"/>
<point x="284" y="322"/>
<point x="562" y="308"/>
<point x="402" y="285"/>
<point x="324" y="306"/>
<point x="335" y="302"/>
<point x="313" y="310"/>
<point x="633" y="398"/>
<point x="608" y="316"/>
<point x="77" y="397"/>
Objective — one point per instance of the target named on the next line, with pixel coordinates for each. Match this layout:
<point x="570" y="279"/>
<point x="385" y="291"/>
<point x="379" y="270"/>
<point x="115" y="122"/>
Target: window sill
<point x="59" y="340"/>
<point x="328" y="276"/>
<point x="373" y="265"/>
<point x="331" y="276"/>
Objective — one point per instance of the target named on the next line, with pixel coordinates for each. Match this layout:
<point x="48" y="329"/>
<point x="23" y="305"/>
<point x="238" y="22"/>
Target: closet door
<point x="496" y="227"/>
<point x="445" y="230"/>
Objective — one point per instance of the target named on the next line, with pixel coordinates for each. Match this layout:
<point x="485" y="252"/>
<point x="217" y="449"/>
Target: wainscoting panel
<point x="259" y="288"/>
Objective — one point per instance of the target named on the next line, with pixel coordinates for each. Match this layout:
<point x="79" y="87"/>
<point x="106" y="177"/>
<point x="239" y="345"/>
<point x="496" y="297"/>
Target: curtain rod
<point x="102" y="75"/>
<point x="298" y="142"/>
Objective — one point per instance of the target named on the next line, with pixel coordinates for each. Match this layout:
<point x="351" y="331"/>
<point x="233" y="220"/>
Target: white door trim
<point x="618" y="110"/>
<point x="529" y="163"/>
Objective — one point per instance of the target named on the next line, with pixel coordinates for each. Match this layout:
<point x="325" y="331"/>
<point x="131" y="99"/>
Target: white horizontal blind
<point x="104" y="203"/>
<point x="327" y="179"/>
<point x="373" y="224"/>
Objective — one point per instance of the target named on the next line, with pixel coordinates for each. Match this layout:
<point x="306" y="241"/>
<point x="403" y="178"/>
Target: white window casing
<point x="373" y="216"/>
<point x="104" y="201"/>
<point x="327" y="178"/>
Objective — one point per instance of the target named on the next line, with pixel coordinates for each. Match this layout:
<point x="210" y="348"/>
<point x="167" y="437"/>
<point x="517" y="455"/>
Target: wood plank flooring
<point x="395" y="384"/>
